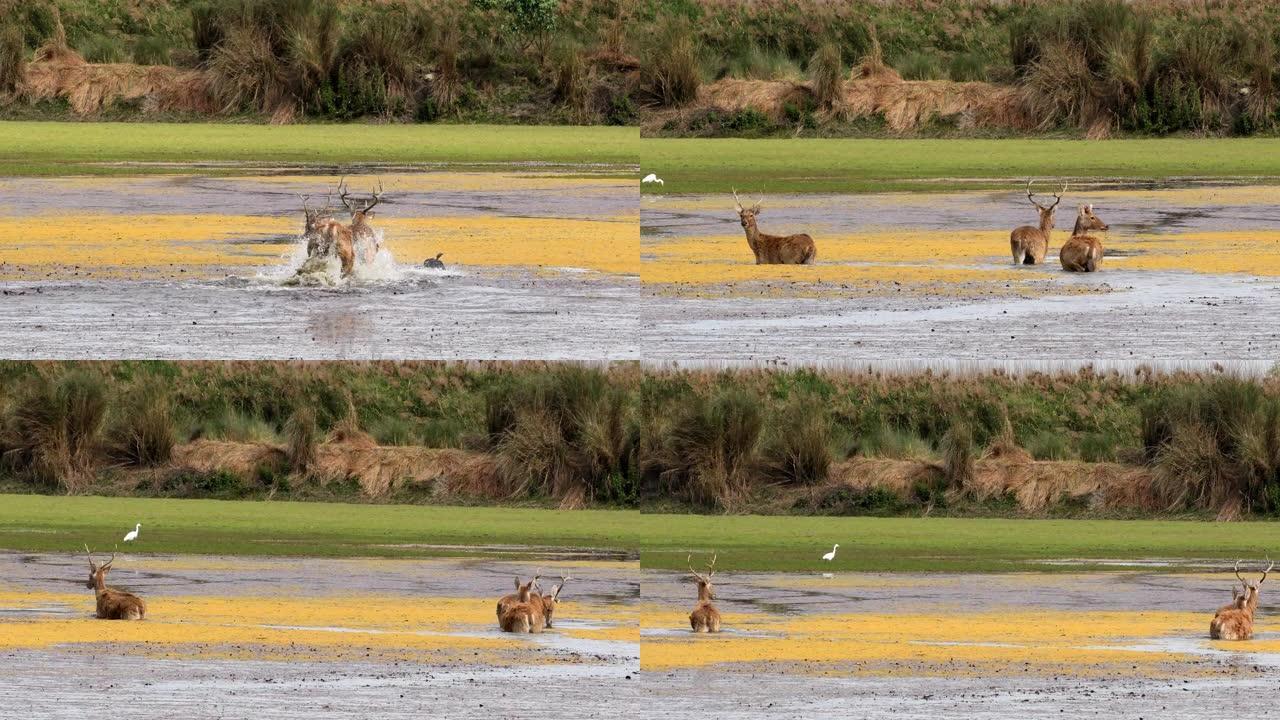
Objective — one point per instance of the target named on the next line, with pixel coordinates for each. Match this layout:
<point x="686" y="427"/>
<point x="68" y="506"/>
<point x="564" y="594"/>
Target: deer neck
<point x="1046" y="223"/>
<point x="99" y="584"/>
<point x="1080" y="228"/>
<point x="704" y="594"/>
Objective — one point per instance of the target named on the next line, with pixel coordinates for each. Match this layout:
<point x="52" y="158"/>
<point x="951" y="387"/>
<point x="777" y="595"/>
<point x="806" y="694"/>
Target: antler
<point x="737" y="204"/>
<point x="1268" y="570"/>
<point x="343" y="195"/>
<point x="711" y="569"/>
<point x="695" y="573"/>
<point x="1237" y="569"/>
<point x="304" y="199"/>
<point x="1030" y="196"/>
<point x="555" y="596"/>
<point x="377" y="198"/>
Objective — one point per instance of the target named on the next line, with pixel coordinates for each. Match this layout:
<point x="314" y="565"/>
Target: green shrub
<point x="142" y="428"/>
<point x="826" y="70"/>
<point x="798" y="450"/>
<point x="13" y="58"/>
<point x="52" y="430"/>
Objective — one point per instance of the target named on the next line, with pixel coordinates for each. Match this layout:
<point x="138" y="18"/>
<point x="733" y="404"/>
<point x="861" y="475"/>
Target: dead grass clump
<point x="826" y="72"/>
<point x="669" y="73"/>
<point x="90" y="88"/>
<point x="302" y="435"/>
<point x="798" y="450"/>
<point x="52" y="430"/>
<point x="13" y="61"/>
<point x="958" y="457"/>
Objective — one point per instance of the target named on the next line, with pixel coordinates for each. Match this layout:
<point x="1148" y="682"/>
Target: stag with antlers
<point x="525" y="615"/>
<point x="361" y="210"/>
<point x="326" y="236"/>
<point x="113" y="604"/>
<point x="1235" y="621"/>
<point x="1083" y="252"/>
<point x="705" y="618"/>
<point x="773" y="249"/>
<point x="1030" y="243"/>
<point x="551" y="600"/>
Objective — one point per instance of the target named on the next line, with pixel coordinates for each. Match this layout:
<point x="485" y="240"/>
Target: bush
<point x="709" y="453"/>
<point x="302" y="437"/>
<point x="53" y="429"/>
<point x="13" y="58"/>
<point x="152" y="50"/>
<point x="826" y="69"/>
<point x="798" y="451"/>
<point x="571" y="82"/>
<point x="958" y="455"/>
<point x="669" y="69"/>
<point x="142" y="431"/>
<point x="919" y="66"/>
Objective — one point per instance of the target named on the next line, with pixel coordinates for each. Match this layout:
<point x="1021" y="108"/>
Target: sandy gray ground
<point x="1236" y="679"/>
<point x="104" y="680"/>
<point x="410" y="313"/>
<point x="1185" y="319"/>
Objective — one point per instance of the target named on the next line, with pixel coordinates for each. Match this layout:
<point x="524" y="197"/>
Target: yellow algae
<point x="886" y="246"/>
<point x="1253" y="252"/>
<point x="1042" y="639"/>
<point x="196" y="243"/>
<point x="609" y="245"/>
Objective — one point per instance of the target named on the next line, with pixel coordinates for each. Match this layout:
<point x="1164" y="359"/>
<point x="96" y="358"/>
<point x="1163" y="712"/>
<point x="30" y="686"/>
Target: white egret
<point x="831" y="555"/>
<point x="133" y="534"/>
<point x="652" y="178"/>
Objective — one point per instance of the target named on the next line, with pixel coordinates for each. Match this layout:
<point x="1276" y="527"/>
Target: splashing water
<point x="301" y="270"/>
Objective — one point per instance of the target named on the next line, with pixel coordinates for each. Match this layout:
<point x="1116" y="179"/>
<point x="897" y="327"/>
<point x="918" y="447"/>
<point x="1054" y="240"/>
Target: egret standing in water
<point x="831" y="555"/>
<point x="133" y="534"/>
<point x="652" y="178"/>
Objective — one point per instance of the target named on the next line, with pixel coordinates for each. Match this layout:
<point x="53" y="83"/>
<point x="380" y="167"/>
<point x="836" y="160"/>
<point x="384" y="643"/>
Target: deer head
<point x="549" y="602"/>
<point x="747" y="215"/>
<point x="525" y="590"/>
<point x="1087" y="221"/>
<point x="315" y="216"/>
<point x="1046" y="211"/>
<point x="705" y="592"/>
<point x="98" y="573"/>
<point x="1249" y="596"/>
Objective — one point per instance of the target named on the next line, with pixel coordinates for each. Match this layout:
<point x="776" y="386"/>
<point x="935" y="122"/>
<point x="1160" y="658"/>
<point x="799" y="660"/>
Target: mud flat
<point x="539" y="264"/>
<point x="1129" y="643"/>
<point x="230" y="637"/>
<point x="1190" y="276"/>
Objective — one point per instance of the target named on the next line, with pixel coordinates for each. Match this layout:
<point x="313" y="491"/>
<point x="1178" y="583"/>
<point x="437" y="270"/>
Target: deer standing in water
<point x="551" y="600"/>
<point x="525" y="615"/>
<point x="1083" y="252"/>
<point x="1028" y="243"/>
<point x="774" y="249"/>
<point x="363" y="235"/>
<point x="1235" y="621"/>
<point x="112" y="604"/>
<point x="705" y="618"/>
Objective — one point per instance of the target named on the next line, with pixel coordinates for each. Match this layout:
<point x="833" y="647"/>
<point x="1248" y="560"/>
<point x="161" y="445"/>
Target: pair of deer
<point x="326" y="236"/>
<point x="1235" y="621"/>
<point x="527" y="610"/>
<point x="1081" y="253"/>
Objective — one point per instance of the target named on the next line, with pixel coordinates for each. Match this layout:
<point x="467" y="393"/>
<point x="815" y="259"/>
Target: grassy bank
<point x="855" y="165"/>
<point x="49" y="148"/>
<point x="63" y="524"/>
<point x="940" y="544"/>
<point x="40" y="523"/>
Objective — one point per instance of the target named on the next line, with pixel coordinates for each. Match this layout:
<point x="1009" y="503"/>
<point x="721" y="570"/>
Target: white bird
<point x="652" y="178"/>
<point x="133" y="534"/>
<point x="831" y="555"/>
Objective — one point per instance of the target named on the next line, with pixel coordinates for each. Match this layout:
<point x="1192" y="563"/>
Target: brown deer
<point x="326" y="236"/>
<point x="112" y="604"/>
<point x="1083" y="252"/>
<point x="1031" y="243"/>
<point x="507" y="601"/>
<point x="774" y="249"/>
<point x="552" y="600"/>
<point x="363" y="234"/>
<point x="1235" y="621"/>
<point x="705" y="618"/>
<point x="525" y="615"/>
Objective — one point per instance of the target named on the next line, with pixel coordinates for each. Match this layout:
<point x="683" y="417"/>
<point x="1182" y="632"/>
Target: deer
<point x="1029" y="243"/>
<point x="113" y="604"/>
<point x="705" y="618"/>
<point x="1235" y="621"/>
<point x="507" y="601"/>
<point x="326" y="236"/>
<point x="552" y="600"/>
<point x="525" y="615"/>
<point x="773" y="249"/>
<point x="1083" y="252"/>
<point x="363" y="234"/>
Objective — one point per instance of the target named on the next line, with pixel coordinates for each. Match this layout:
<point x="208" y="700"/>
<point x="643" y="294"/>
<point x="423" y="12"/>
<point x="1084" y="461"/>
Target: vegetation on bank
<point x="730" y="441"/>
<point x="1094" y="67"/>
<point x="521" y="61"/>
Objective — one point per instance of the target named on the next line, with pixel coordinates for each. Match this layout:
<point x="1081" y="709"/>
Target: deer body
<point x="705" y="618"/>
<point x="525" y="615"/>
<point x="774" y="249"/>
<point x="1030" y="243"/>
<point x="1235" y="621"/>
<point x="112" y="604"/>
<point x="1083" y="252"/>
